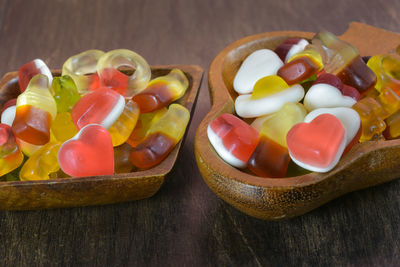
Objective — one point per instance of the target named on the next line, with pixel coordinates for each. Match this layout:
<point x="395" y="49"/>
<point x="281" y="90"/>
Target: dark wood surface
<point x="185" y="223"/>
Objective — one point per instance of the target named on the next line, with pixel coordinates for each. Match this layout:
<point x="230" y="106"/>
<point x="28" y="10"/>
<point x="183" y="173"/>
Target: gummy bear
<point x="161" y="137"/>
<point x="110" y="75"/>
<point x="162" y="91"/>
<point x="10" y="155"/>
<point x="41" y="163"/>
<point x="29" y="70"/>
<point x="82" y="68"/>
<point x="35" y="110"/>
<point x="387" y="71"/>
<point x="271" y="157"/>
<point x="65" y="93"/>
<point x="233" y="139"/>
<point x="343" y="60"/>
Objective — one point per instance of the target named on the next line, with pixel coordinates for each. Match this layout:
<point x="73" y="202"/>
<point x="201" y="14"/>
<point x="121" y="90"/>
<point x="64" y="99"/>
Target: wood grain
<point x="185" y="223"/>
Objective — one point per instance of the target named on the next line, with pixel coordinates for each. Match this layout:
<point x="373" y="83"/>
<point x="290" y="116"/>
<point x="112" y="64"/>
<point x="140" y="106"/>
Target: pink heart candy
<point x="88" y="153"/>
<point x="318" y="145"/>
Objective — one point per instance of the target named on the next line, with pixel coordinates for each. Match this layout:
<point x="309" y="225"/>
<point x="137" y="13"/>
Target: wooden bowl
<point x="367" y="164"/>
<point x="95" y="190"/>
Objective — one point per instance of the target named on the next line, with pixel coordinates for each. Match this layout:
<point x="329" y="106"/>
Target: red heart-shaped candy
<point x="88" y="153"/>
<point x="318" y="145"/>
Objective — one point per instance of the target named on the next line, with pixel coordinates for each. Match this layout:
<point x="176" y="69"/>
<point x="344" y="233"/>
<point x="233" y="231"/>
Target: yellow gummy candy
<point x="41" y="163"/>
<point x="63" y="128"/>
<point x="267" y="86"/>
<point x="173" y="123"/>
<point x="278" y="125"/>
<point x="123" y="126"/>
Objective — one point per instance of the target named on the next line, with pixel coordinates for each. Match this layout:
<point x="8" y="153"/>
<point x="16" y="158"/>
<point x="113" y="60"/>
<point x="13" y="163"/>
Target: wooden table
<point x="185" y="223"/>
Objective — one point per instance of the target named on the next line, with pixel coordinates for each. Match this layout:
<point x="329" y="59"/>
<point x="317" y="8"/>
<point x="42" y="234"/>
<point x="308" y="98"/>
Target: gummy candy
<point x="35" y="110"/>
<point x="261" y="63"/>
<point x="343" y="60"/>
<point x="10" y="155"/>
<point x="387" y="71"/>
<point x="372" y="117"/>
<point x="162" y="91"/>
<point x="127" y="85"/>
<point x="29" y="70"/>
<point x="82" y="68"/>
<point x="290" y="47"/>
<point x="348" y="117"/>
<point x="88" y="153"/>
<point x="122" y="162"/>
<point x="271" y="157"/>
<point x="102" y="106"/>
<point x="123" y="126"/>
<point x="269" y="95"/>
<point x="233" y="139"/>
<point x="63" y="128"/>
<point x="41" y="163"/>
<point x="318" y="145"/>
<point x="65" y="93"/>
<point x="301" y="66"/>
<point x="145" y="121"/>
<point x="8" y="112"/>
<point x="161" y="137"/>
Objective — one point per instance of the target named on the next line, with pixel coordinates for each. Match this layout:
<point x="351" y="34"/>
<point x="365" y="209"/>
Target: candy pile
<point x="103" y="115"/>
<point x="310" y="103"/>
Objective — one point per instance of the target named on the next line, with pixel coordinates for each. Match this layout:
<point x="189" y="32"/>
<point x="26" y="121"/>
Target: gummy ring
<point x="110" y="75"/>
<point x="83" y="70"/>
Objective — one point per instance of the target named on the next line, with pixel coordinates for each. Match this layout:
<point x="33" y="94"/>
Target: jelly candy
<point x="41" y="163"/>
<point x="301" y="66"/>
<point x="343" y="60"/>
<point x="271" y="157"/>
<point x="372" y="117"/>
<point x="127" y="85"/>
<point x="123" y="126"/>
<point x="88" y="153"/>
<point x="233" y="139"/>
<point x="65" y="93"/>
<point x="145" y="121"/>
<point x="162" y="91"/>
<point x="261" y="63"/>
<point x="290" y="47"/>
<point x="161" y="137"/>
<point x="30" y="69"/>
<point x="82" y="68"/>
<point x="35" y="110"/>
<point x="122" y="162"/>
<point x="348" y="117"/>
<point x="102" y="106"/>
<point x="387" y="71"/>
<point x="269" y="95"/>
<point x="318" y="145"/>
<point x="10" y="155"/>
<point x="62" y="127"/>
<point x="8" y="112"/>
<point x="327" y="78"/>
<point x="323" y="95"/>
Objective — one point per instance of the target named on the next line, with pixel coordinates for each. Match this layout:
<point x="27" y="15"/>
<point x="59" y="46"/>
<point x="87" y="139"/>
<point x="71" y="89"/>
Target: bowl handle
<point x="371" y="40"/>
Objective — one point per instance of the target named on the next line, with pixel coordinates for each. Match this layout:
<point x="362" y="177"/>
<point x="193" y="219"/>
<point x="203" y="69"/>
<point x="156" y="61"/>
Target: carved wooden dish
<point x="95" y="190"/>
<point x="367" y="164"/>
